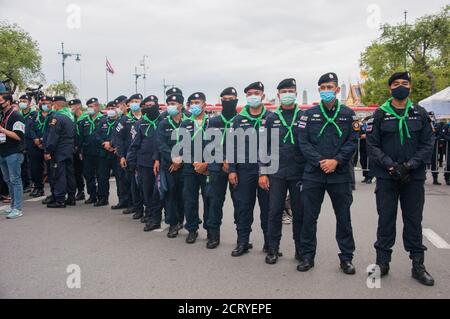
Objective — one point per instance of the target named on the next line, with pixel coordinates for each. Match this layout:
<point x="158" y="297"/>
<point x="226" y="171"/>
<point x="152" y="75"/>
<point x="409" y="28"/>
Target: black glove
<point x="401" y="173"/>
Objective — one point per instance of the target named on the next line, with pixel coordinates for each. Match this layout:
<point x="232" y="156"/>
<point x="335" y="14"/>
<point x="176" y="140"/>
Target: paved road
<point x="118" y="260"/>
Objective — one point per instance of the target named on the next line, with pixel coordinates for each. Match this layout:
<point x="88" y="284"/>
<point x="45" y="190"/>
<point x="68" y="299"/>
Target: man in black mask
<point x="217" y="181"/>
<point x="400" y="144"/>
<point x="142" y="154"/>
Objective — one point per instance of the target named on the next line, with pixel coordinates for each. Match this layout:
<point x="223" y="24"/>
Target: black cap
<point x="287" y="84"/>
<point x="229" y="91"/>
<point x="136" y="96"/>
<point x="92" y="100"/>
<point x="175" y="98"/>
<point x="59" y="98"/>
<point x="110" y="104"/>
<point x="46" y="98"/>
<point x="399" y="76"/>
<point x="150" y="98"/>
<point x="120" y="99"/>
<point x="74" y="102"/>
<point x="328" y="77"/>
<point x="174" y="91"/>
<point x="254" y="86"/>
<point x="25" y="97"/>
<point x="197" y="96"/>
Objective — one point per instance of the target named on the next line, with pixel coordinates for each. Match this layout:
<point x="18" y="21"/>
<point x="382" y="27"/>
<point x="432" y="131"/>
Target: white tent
<point x="439" y="103"/>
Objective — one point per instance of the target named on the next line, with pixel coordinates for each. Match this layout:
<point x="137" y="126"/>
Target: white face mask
<point x="23" y="106"/>
<point x="111" y="113"/>
<point x="90" y="111"/>
<point x="254" y="101"/>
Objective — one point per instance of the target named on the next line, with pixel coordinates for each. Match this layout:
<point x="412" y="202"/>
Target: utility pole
<point x="406" y="54"/>
<point x="144" y="75"/>
<point x="64" y="56"/>
<point x="165" y="87"/>
<point x="136" y="77"/>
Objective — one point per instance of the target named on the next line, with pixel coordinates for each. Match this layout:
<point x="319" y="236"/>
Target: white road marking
<point x="36" y="199"/>
<point x="435" y="239"/>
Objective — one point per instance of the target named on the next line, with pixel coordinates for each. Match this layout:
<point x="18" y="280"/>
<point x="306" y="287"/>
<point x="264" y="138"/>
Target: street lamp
<point x="64" y="56"/>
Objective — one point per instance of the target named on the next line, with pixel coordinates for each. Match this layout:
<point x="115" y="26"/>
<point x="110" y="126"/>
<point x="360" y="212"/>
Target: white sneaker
<point x="5" y="211"/>
<point x="286" y="219"/>
<point x="15" y="213"/>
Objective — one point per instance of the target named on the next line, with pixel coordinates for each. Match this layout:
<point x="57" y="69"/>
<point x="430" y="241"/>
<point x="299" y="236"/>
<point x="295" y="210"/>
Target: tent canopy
<point x="438" y="103"/>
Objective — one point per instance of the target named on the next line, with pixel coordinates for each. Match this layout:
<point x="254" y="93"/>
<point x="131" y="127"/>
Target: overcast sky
<point x="206" y="45"/>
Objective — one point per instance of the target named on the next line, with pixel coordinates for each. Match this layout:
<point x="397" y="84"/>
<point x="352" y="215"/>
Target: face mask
<point x="90" y="111"/>
<point x="327" y="96"/>
<point x="152" y="112"/>
<point x="111" y="113"/>
<point x="229" y="108"/>
<point x="23" y="106"/>
<point x="134" y="107"/>
<point x="196" y="109"/>
<point x="400" y="93"/>
<point x="44" y="108"/>
<point x="254" y="101"/>
<point x="172" y="110"/>
<point x="288" y="98"/>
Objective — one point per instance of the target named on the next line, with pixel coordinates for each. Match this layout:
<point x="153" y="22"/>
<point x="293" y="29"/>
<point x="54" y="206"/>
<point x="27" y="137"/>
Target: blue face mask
<point x="23" y="106"/>
<point x="327" y="96"/>
<point x="172" y="110"/>
<point x="44" y="108"/>
<point x="254" y="101"/>
<point x="195" y="109"/>
<point x="288" y="98"/>
<point x="90" y="111"/>
<point x="134" y="107"/>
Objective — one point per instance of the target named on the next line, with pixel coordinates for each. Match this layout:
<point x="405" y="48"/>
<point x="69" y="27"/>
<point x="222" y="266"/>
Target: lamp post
<point x="64" y="56"/>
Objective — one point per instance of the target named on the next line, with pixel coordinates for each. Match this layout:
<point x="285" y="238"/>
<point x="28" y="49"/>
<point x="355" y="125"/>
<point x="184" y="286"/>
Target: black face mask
<point x="229" y="108"/>
<point x="152" y="112"/>
<point x="400" y="93"/>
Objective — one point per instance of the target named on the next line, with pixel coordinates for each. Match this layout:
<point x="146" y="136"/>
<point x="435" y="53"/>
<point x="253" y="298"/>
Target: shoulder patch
<point x="19" y="126"/>
<point x="53" y="121"/>
<point x="356" y="126"/>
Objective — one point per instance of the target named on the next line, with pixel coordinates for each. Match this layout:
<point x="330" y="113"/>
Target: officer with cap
<point x="243" y="175"/>
<point x="328" y="139"/>
<point x="438" y="143"/>
<point x="58" y="150"/>
<point x="90" y="151"/>
<point x="445" y="133"/>
<point x="77" y="111"/>
<point x="29" y="116"/>
<point x="400" y="144"/>
<point x="195" y="168"/>
<point x="123" y="186"/>
<point x="141" y="157"/>
<point x="217" y="182"/>
<point x="176" y="91"/>
<point x="291" y="164"/>
<point x="124" y="138"/>
<point x="167" y="137"/>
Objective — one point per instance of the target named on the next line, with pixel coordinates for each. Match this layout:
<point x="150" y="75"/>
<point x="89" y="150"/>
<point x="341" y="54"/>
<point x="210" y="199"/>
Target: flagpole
<point x="107" y="86"/>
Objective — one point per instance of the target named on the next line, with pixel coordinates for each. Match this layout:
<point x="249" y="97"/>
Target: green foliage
<point x="67" y="89"/>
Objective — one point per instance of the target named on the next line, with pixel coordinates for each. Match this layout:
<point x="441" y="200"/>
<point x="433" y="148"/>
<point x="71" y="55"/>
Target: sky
<point x="206" y="45"/>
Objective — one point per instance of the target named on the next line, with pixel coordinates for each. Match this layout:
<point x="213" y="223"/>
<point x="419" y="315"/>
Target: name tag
<point x="2" y="138"/>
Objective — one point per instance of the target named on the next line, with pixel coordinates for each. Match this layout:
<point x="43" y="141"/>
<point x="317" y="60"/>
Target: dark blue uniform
<point x="445" y="133"/>
<point x="37" y="153"/>
<point x="107" y="160"/>
<point x="385" y="151"/>
<point x="78" y="161"/>
<point x="59" y="143"/>
<point x="192" y="181"/>
<point x="291" y="164"/>
<point x="141" y="157"/>
<point x="247" y="170"/>
<point x="329" y="145"/>
<point x="90" y="151"/>
<point x="29" y="118"/>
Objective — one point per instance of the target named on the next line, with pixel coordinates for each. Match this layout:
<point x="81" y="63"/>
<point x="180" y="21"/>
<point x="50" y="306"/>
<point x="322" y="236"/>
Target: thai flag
<point x="109" y="67"/>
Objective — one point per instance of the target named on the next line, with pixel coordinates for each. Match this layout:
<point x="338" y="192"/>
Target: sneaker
<point x="15" y="213"/>
<point x="5" y="211"/>
<point x="286" y="218"/>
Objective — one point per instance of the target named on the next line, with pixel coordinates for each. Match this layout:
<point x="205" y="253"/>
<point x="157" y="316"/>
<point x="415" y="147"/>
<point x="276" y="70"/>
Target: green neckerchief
<point x="92" y="122"/>
<point x="256" y="120"/>
<point x="197" y="127"/>
<point x="131" y="117"/>
<point x="82" y="117"/>
<point x="65" y="111"/>
<point x="40" y="124"/>
<point x="152" y="123"/>
<point x="184" y="117"/>
<point x="290" y="126"/>
<point x="331" y="120"/>
<point x="26" y="115"/>
<point x="227" y="124"/>
<point x="110" y="125"/>
<point x="169" y="119"/>
<point x="387" y="107"/>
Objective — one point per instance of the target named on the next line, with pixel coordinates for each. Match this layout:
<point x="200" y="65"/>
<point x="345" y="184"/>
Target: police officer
<point x="77" y="111"/>
<point x="50" y="198"/>
<point x="445" y="133"/>
<point x="328" y="140"/>
<point x="124" y="137"/>
<point x="184" y="111"/>
<point x="123" y="181"/>
<point x="217" y="182"/>
<point x="291" y="164"/>
<point x="243" y="175"/>
<point x="29" y="116"/>
<point x="107" y="162"/>
<point x="195" y="168"/>
<point x="363" y="152"/>
<point x="142" y="155"/>
<point x="171" y="182"/>
<point x="90" y="148"/>
<point x="400" y="141"/>
<point x="58" y="150"/>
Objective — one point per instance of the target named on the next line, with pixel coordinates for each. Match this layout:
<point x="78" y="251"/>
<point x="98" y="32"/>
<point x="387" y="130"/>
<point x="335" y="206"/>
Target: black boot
<point x="173" y="231"/>
<point x="119" y="206"/>
<point x="80" y="196"/>
<point x="56" y="204"/>
<point x="272" y="256"/>
<point x="305" y="265"/>
<point x="192" y="237"/>
<point x="348" y="268"/>
<point x="420" y="273"/>
<point x="138" y="215"/>
<point x="240" y="250"/>
<point x="384" y="269"/>
<point x="39" y="193"/>
<point x="151" y="226"/>
<point x="70" y="201"/>
<point x="90" y="200"/>
<point x="213" y="241"/>
<point x="49" y="199"/>
<point x="127" y="211"/>
<point x="101" y="202"/>
<point x="435" y="180"/>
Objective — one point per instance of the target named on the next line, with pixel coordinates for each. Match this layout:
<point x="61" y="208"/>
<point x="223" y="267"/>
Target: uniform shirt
<point x="165" y="142"/>
<point x="329" y="145"/>
<point x="86" y="139"/>
<point x="216" y="123"/>
<point x="12" y="121"/>
<point x="60" y="137"/>
<point x="290" y="158"/>
<point x="197" y="133"/>
<point x="445" y="132"/>
<point x="122" y="137"/>
<point x="385" y="148"/>
<point x="29" y="118"/>
<point x="103" y="133"/>
<point x="250" y="125"/>
<point x="143" y="150"/>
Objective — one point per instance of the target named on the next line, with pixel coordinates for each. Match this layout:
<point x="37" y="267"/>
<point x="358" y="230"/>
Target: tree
<point x="67" y="89"/>
<point x="20" y="59"/>
<point x="423" y="46"/>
